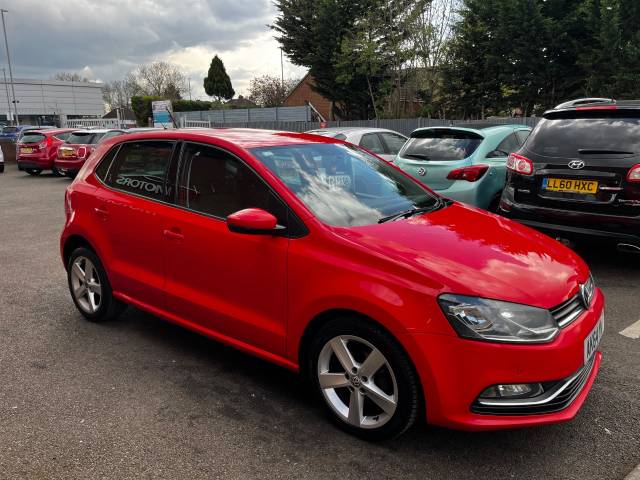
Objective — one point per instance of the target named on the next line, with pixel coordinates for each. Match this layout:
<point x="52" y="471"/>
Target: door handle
<point x="173" y="234"/>
<point x="101" y="212"/>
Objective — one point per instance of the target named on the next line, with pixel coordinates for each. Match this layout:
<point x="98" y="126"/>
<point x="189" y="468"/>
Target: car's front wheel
<point x="90" y="287"/>
<point x="365" y="380"/>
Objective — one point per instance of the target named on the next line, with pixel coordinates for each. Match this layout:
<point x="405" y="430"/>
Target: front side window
<point x="372" y="142"/>
<point x="343" y="185"/>
<point x="394" y="141"/>
<point x="141" y="168"/>
<point x="216" y="183"/>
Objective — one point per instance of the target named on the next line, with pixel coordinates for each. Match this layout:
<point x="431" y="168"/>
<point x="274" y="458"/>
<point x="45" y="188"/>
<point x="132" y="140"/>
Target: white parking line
<point x="632" y="331"/>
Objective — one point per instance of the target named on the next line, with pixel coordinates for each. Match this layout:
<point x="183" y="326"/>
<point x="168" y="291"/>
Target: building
<point x="303" y="94"/>
<point x="48" y="102"/>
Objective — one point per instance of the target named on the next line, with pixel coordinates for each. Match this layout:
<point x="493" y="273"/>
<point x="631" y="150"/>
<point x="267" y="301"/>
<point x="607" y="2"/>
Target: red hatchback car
<point x="78" y="147"/>
<point x="37" y="150"/>
<point x="313" y="254"/>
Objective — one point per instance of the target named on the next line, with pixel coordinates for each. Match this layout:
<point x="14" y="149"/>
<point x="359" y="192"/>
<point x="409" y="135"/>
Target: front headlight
<point x="491" y="320"/>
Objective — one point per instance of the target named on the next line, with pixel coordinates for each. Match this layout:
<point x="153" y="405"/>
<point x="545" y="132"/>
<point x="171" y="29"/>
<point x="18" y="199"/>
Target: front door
<point x="230" y="283"/>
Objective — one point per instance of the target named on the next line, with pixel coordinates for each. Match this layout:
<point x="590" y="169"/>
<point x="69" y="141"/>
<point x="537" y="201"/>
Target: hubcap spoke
<point x="77" y="270"/>
<point x="372" y="364"/>
<point x="333" y="380"/>
<point x="85" y="284"/>
<point x="92" y="300"/>
<point x="79" y="290"/>
<point x="384" y="401"/>
<point x="94" y="286"/>
<point x="355" y="408"/>
<point x="339" y="347"/>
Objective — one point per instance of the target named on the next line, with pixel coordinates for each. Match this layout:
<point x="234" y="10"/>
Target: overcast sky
<point x="104" y="39"/>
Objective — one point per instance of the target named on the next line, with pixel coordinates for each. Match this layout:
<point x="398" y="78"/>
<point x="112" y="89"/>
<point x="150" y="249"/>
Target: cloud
<point x="104" y="39"/>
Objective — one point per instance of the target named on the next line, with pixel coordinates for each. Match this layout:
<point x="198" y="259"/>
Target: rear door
<point x="130" y="208"/>
<point x="582" y="159"/>
<point x="430" y="154"/>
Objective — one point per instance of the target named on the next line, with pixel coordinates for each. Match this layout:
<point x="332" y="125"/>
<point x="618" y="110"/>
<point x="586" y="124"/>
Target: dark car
<point x="578" y="174"/>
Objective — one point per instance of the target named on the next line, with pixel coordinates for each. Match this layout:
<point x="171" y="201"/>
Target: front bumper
<point x="454" y="372"/>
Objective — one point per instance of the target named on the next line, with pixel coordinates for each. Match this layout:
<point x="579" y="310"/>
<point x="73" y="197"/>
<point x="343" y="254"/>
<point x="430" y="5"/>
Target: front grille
<point x="557" y="396"/>
<point x="567" y="312"/>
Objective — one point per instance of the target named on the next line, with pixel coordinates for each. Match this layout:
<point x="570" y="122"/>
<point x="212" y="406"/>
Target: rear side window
<point x="522" y="135"/>
<point x="141" y="168"/>
<point x="81" y="138"/>
<point x="441" y="144"/>
<point x="509" y="145"/>
<point x="394" y="142"/>
<point x="216" y="183"/>
<point x="62" y="136"/>
<point x="33" y="138"/>
<point x="340" y="136"/>
<point x="372" y="142"/>
<point x="567" y="137"/>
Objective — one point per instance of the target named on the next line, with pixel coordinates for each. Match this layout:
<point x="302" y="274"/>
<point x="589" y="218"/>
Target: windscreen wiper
<point x="417" y="155"/>
<point x="414" y="211"/>
<point x="595" y="151"/>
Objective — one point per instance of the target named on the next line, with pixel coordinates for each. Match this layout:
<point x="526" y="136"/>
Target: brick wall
<point x="303" y="93"/>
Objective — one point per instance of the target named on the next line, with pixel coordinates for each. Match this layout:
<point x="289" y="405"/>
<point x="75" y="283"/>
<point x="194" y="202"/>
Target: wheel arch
<point x="71" y="243"/>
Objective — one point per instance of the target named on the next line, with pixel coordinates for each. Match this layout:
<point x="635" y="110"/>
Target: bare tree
<point x="160" y="79"/>
<point x="69" y="77"/>
<point x="117" y="94"/>
<point x="269" y="91"/>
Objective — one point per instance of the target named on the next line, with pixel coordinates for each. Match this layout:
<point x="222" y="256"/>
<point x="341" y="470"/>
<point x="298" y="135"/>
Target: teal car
<point x="464" y="164"/>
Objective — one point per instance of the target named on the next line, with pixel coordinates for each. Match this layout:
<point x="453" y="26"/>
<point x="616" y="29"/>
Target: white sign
<point x="162" y="113"/>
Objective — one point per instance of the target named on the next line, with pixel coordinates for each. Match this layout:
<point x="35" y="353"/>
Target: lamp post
<point x="6" y="44"/>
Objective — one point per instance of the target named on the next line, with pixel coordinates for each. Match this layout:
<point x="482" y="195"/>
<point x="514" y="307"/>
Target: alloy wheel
<point x="357" y="382"/>
<point x="85" y="284"/>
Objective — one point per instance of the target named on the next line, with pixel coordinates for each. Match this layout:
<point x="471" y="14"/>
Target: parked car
<point x="73" y="153"/>
<point x="38" y="149"/>
<point x="382" y="142"/>
<point x="468" y="164"/>
<point x="1" y="161"/>
<point x="11" y="133"/>
<point x="322" y="258"/>
<point x="578" y="174"/>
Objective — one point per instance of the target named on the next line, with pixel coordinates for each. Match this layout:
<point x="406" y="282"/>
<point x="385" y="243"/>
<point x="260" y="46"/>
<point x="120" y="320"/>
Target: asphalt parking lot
<point x="140" y="398"/>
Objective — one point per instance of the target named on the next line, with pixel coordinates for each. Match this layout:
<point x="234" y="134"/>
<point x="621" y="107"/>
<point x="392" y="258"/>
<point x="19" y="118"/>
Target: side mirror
<point x="252" y="221"/>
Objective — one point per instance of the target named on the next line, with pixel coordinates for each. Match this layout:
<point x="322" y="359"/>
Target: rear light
<point x="634" y="174"/>
<point x="81" y="152"/>
<point x="470" y="174"/>
<point x="519" y="164"/>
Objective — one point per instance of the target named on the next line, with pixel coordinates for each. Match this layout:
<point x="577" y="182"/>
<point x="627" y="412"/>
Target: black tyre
<point x="34" y="171"/>
<point x="90" y="288"/>
<point x="364" y="379"/>
<point x="57" y="172"/>
<point x="71" y="175"/>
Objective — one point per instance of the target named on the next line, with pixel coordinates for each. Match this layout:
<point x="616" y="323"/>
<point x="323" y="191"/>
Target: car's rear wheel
<point x="364" y="379"/>
<point x="34" y="171"/>
<point x="57" y="172"/>
<point x="90" y="287"/>
<point x="71" y="174"/>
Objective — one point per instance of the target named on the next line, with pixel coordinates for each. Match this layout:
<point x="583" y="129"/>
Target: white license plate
<point x="593" y="340"/>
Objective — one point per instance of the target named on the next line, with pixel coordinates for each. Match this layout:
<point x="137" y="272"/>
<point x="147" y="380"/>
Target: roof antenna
<point x="172" y="119"/>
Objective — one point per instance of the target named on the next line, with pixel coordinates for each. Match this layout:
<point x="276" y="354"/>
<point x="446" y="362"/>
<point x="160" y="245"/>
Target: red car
<point x="37" y="150"/>
<point x="78" y="147"/>
<point x="313" y="254"/>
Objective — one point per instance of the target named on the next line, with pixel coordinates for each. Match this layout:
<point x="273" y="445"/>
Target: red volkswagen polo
<point x="313" y="254"/>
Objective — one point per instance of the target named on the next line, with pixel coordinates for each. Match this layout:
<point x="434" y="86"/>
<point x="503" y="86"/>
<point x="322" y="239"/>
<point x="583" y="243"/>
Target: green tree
<point x="217" y="83"/>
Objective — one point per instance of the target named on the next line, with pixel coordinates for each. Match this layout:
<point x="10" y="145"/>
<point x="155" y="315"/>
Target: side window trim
<point x="119" y="146"/>
<point x="180" y="177"/>
<point x="116" y="149"/>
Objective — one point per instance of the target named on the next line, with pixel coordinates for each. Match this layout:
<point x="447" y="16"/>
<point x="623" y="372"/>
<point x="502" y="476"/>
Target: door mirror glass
<point x="252" y="221"/>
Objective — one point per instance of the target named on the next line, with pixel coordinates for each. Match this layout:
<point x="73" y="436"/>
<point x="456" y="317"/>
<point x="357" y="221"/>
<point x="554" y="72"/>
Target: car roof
<point x="593" y="105"/>
<point x="53" y="130"/>
<point x="93" y="130"/>
<point x="337" y="130"/>
<point x="245" y="138"/>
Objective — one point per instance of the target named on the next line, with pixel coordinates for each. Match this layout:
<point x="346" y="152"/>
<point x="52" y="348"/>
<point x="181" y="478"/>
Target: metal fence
<point x="97" y="122"/>
<point x="402" y="125"/>
<point x="249" y="115"/>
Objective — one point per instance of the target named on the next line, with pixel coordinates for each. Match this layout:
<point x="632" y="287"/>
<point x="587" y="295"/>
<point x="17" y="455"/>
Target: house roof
<point x="127" y="114"/>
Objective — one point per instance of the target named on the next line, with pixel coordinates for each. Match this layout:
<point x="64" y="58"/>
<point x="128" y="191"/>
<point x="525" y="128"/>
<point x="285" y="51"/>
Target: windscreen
<point x="32" y="138"/>
<point x="82" y="138"/>
<point x="441" y="145"/>
<point x="569" y="137"/>
<point x="343" y="185"/>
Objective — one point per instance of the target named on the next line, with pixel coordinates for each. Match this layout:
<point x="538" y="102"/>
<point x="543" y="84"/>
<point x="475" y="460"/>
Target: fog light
<point x="514" y="390"/>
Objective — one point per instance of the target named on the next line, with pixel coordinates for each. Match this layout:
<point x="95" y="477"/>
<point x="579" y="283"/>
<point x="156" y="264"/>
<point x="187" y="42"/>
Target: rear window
<point x="62" y="136"/>
<point x="568" y="137"/>
<point x="32" y="138"/>
<point x="82" y="138"/>
<point x="441" y="144"/>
